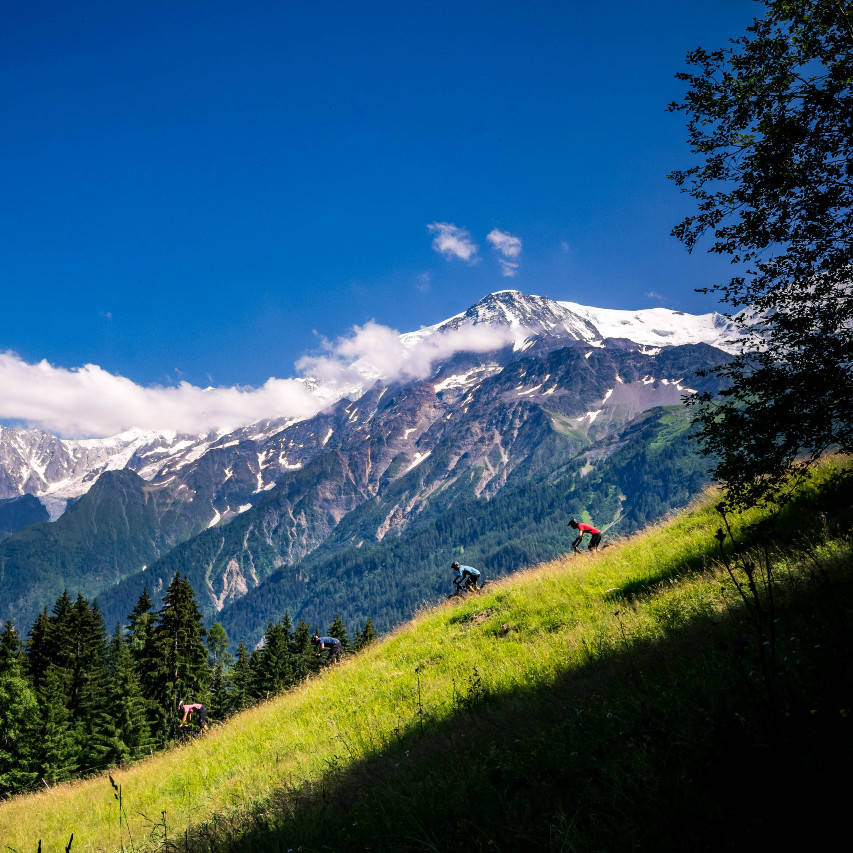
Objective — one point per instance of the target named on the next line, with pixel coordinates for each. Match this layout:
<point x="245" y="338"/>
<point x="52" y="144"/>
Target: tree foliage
<point x="74" y="701"/>
<point x="770" y="119"/>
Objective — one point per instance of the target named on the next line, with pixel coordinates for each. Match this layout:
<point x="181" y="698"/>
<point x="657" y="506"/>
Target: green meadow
<point x="671" y="692"/>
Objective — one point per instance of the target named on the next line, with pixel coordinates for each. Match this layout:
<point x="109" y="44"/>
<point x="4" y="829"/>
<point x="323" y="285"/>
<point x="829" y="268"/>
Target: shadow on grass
<point x="671" y="744"/>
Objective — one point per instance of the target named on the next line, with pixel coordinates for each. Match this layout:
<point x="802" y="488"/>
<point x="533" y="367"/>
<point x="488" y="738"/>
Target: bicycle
<point x="462" y="588"/>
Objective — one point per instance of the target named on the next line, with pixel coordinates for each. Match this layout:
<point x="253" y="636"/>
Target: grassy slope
<point x="553" y="712"/>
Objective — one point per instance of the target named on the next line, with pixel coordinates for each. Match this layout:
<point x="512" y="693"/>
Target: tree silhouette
<point x="769" y="118"/>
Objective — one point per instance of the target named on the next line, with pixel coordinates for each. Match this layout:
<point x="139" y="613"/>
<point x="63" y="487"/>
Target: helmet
<point x="315" y="638"/>
<point x="455" y="566"/>
<point x="572" y="523"/>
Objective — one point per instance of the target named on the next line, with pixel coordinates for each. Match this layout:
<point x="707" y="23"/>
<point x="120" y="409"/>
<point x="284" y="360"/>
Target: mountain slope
<point x="521" y="526"/>
<point x="21" y="512"/>
<point x="596" y="703"/>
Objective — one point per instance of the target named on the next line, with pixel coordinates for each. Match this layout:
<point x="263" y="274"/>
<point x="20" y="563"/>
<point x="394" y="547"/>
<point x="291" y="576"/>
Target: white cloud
<point x="89" y="401"/>
<point x="506" y="244"/>
<point x="508" y="268"/>
<point x="509" y="249"/>
<point x="452" y="241"/>
<point x="374" y="352"/>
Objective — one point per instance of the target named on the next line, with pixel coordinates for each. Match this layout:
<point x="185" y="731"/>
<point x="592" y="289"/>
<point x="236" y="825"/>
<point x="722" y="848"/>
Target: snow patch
<point x="532" y="390"/>
<point x="419" y="457"/>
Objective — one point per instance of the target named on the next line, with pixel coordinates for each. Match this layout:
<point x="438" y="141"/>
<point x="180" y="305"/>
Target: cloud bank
<point x="89" y="401"/>
<point x="453" y="242"/>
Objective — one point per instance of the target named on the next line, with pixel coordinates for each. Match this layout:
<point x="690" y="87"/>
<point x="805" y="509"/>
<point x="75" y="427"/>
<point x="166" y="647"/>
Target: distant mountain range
<point x="549" y="396"/>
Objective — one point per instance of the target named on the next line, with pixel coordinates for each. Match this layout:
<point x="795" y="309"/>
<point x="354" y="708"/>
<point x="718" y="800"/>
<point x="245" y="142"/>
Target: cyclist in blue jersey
<point x="330" y="644"/>
<point x="465" y="577"/>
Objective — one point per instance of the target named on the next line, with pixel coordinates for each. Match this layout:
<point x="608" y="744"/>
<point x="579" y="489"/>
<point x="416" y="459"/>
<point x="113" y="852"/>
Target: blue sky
<point x="200" y="191"/>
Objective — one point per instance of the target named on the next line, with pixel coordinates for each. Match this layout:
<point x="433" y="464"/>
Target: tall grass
<point x="595" y="702"/>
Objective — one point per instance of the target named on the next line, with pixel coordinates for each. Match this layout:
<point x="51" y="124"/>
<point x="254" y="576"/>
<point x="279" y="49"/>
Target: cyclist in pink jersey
<point x="594" y="535"/>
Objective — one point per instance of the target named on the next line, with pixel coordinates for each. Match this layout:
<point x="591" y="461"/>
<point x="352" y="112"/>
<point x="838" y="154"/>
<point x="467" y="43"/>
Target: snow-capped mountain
<point x="38" y="463"/>
<point x="516" y="388"/>
<point x="535" y="318"/>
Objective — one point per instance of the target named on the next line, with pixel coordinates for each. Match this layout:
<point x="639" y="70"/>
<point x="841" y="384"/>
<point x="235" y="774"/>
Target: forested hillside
<point x="652" y="470"/>
<point x="75" y="700"/>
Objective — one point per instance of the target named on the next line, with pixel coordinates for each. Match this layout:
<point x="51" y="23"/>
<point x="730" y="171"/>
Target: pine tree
<point x="18" y="719"/>
<point x="304" y="660"/>
<point x="255" y="665"/>
<point x="300" y="639"/>
<point x="219" y="692"/>
<point x="366" y="636"/>
<point x="287" y="627"/>
<point x="242" y="680"/>
<point x="275" y="665"/>
<point x="94" y="725"/>
<point x="179" y="633"/>
<point x="37" y="649"/>
<point x="60" y="642"/>
<point x="149" y="663"/>
<point x="220" y="660"/>
<point x="128" y="703"/>
<point x="217" y="646"/>
<point x="11" y="650"/>
<point x="56" y="752"/>
<point x="139" y="628"/>
<point x="339" y="631"/>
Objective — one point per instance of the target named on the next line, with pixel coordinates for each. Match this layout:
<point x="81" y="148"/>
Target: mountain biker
<point x="594" y="535"/>
<point x="465" y="577"/>
<point x="189" y="710"/>
<point x="333" y="644"/>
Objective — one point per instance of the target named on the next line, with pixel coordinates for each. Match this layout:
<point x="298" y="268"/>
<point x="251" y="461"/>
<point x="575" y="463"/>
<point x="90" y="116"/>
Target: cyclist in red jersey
<point x="594" y="535"/>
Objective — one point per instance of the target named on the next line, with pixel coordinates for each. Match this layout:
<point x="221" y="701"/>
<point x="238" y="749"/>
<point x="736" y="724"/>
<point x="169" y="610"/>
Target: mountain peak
<point x="532" y="317"/>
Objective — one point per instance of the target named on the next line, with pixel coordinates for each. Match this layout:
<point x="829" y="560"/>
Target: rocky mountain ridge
<point x="38" y="463"/>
